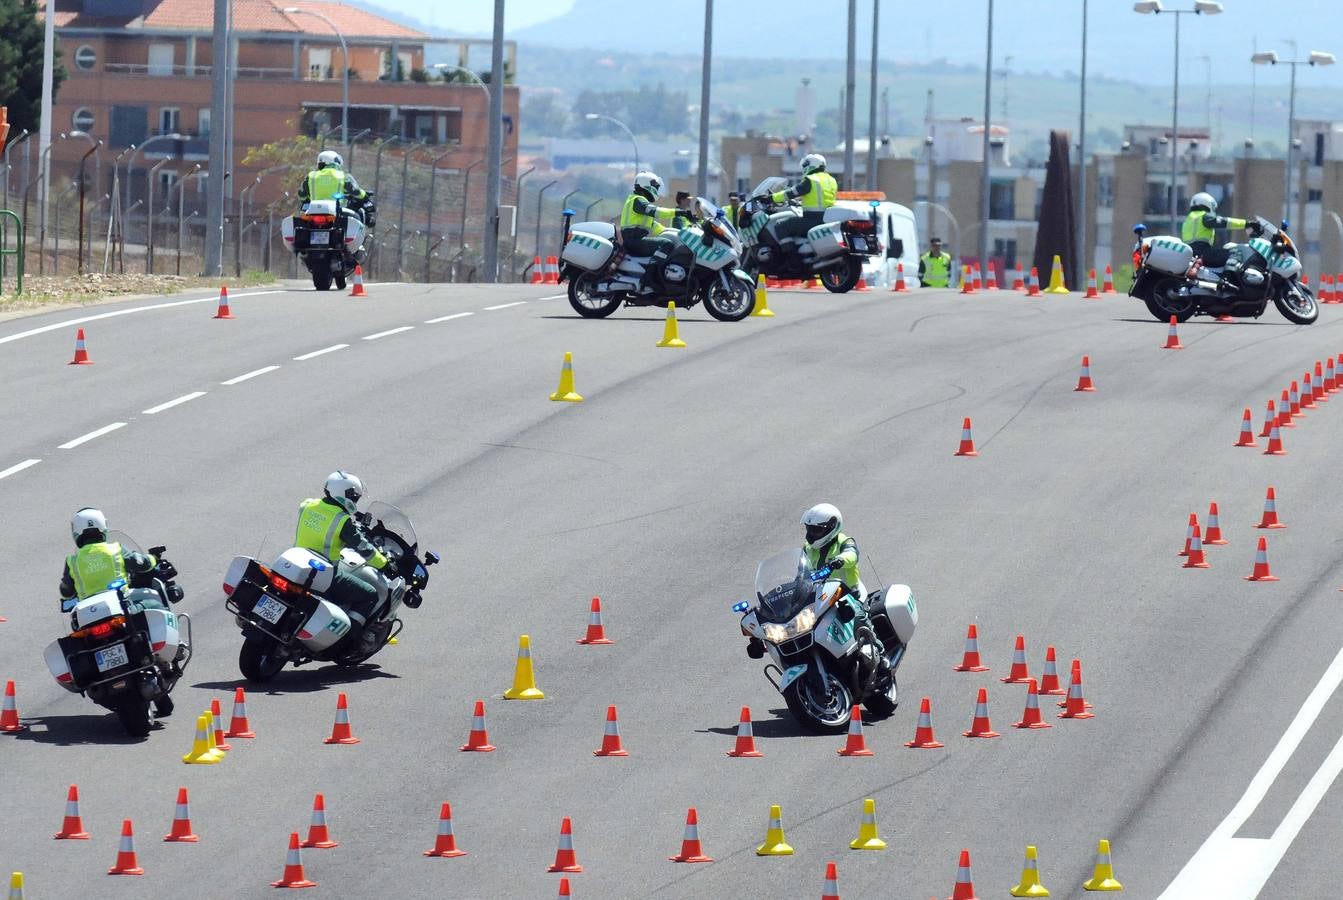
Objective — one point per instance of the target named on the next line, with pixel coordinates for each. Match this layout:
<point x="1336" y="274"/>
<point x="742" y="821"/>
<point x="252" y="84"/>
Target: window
<point x="86" y="57"/>
<point x="130" y="125"/>
<point x="319" y="63"/>
<point x="1105" y="191"/>
<point x="83" y="120"/>
<point x="203" y="122"/>
<point x="1319" y="149"/>
<point x="161" y="59"/>
<point x="1002" y="200"/>
<point x="167" y="181"/>
<point x="1314" y="195"/>
<point x="169" y="117"/>
<point x="1006" y="251"/>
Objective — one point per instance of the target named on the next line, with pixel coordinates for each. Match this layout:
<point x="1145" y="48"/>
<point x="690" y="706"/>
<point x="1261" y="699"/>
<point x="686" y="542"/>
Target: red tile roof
<point x="255" y="16"/>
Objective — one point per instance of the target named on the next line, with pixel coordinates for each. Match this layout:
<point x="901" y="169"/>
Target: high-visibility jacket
<point x="640" y="212"/>
<point x="1202" y="226"/>
<point x="841" y="554"/>
<point x="817" y="190"/>
<point x="935" y="269"/>
<point x="325" y="184"/>
<point x="94" y="566"/>
<point x="326" y="528"/>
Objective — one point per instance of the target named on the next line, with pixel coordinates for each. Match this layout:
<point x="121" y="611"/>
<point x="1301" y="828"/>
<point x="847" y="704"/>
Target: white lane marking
<point x="1232" y="868"/>
<point x="96" y="433"/>
<point x="554" y="297"/>
<point x="446" y="318"/>
<point x="332" y="349"/>
<point x="252" y="374"/>
<point x="185" y="398"/>
<point x="390" y="331"/>
<point x="19" y="467"/>
<point x="55" y="326"/>
<point x="505" y="305"/>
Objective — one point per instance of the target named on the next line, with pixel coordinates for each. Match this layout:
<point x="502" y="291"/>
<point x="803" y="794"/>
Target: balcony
<point x="154" y="71"/>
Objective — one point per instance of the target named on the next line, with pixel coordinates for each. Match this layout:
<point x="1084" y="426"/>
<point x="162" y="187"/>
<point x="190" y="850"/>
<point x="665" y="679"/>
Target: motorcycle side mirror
<point x="430" y="558"/>
<point x="157" y="551"/>
<point x="741" y="606"/>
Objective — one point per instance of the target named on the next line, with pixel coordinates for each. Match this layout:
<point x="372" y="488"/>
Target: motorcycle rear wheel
<point x="883" y="704"/>
<point x="133" y="712"/>
<point x="1162" y="302"/>
<point x="842" y="279"/>
<point x="321" y="280"/>
<point x="585" y="302"/>
<point x="258" y="660"/>
<point x="816" y="714"/>
<point x="340" y="282"/>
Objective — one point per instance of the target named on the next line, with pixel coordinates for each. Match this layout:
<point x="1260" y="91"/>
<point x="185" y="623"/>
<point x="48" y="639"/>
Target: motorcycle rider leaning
<point x="99" y="562"/>
<point x="642" y="222"/>
<point x="1200" y="229"/>
<point x="330" y="523"/>
<point x="816" y="189"/>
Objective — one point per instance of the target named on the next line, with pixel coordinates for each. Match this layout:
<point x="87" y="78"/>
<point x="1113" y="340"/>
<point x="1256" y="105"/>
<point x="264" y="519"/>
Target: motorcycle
<point x="328" y="236"/>
<point x="702" y="267"/>
<point x="120" y="654"/>
<point x="285" y="618"/>
<point x="1172" y="281"/>
<point x="825" y="665"/>
<point x="833" y="251"/>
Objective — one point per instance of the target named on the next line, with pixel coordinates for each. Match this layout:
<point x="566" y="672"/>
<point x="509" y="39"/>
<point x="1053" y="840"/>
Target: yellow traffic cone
<point x="566" y="390"/>
<point x="1030" y="878"/>
<point x="761" y="308"/>
<point x="202" y="754"/>
<point x="524" y="678"/>
<point x="1103" y="875"/>
<point x="1056" y="285"/>
<point x="670" y="336"/>
<point x="867" y="831"/>
<point x="775" y="844"/>
<point x="16" y="886"/>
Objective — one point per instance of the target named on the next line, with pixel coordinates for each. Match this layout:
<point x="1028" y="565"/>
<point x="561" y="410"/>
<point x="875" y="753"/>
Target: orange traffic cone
<point x="72" y="826"/>
<point x="1018" y="673"/>
<point x="445" y="845"/>
<point x="1173" y="337"/>
<point x="565" y="858"/>
<point x="1330" y="376"/>
<point x="1049" y="678"/>
<point x="238" y="726"/>
<point x="831" y="889"/>
<point x="357" y="282"/>
<point x="970" y="660"/>
<point x="1197" y="559"/>
<point x="1317" y="392"/>
<point x="1246" y="430"/>
<point x="126" y="862"/>
<point x="9" y="712"/>
<point x="1294" y="398"/>
<point x="900" y="286"/>
<point x="1261" y="571"/>
<point x="860" y="286"/>
<point x="1307" y="392"/>
<point x="1270" y="518"/>
<point x="745" y="745"/>
<point x="340" y="732"/>
<point x="924" y="739"/>
<point x="217" y="718"/>
<point x="1189" y="534"/>
<point x="181" y="828"/>
<point x="1033" y="286"/>
<point x="979" y="282"/>
<point x="990" y="279"/>
<point x="1084" y="380"/>
<point x="596" y="631"/>
<point x="1031" y="717"/>
<point x="1275" y="447"/>
<point x="479" y="738"/>
<point x="1092" y="292"/>
<point x="1285" y="411"/>
<point x="1270" y="417"/>
<point x="564" y="890"/>
<point x="552" y="270"/>
<point x="611" y="737"/>
<point x="980" y="727"/>
<point x="223" y="311"/>
<point x="967" y="447"/>
<point x="293" y="867"/>
<point x="691" y="851"/>
<point x="81" y="352"/>
<point x="538" y="271"/>
<point x="318" y="835"/>
<point x="1075" y="707"/>
<point x="965" y="884"/>
<point x="1214" y="536"/>
<point x="1109" y="284"/>
<point x="967" y="281"/>
<point x="1018" y="280"/>
<point x="855" y="744"/>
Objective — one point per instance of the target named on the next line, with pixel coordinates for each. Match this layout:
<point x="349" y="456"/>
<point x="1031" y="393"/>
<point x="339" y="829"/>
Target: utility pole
<point x="1081" y="253"/>
<point x="850" y="82"/>
<point x="702" y="181"/>
<point x="219" y="128"/>
<point x="872" y="104"/>
<point x="984" y="182"/>
<point x="44" y="128"/>
<point x="493" y="170"/>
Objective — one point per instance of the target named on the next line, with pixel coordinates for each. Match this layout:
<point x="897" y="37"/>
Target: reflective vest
<point x="319" y="526"/>
<point x="936" y="269"/>
<point x="325" y="184"/>
<point x="822" y="193"/>
<point x="1193" y="228"/>
<point x="631" y="218"/>
<point x="94" y="566"/>
<point x="847" y="572"/>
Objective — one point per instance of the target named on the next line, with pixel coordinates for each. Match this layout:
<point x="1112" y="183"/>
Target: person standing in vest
<point x="98" y="562"/>
<point x="328" y="524"/>
<point x="935" y="266"/>
<point x="816" y="191"/>
<point x="1199" y="229"/>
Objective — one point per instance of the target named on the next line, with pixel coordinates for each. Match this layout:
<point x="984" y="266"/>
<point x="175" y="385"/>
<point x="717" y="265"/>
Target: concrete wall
<point x="895" y="177"/>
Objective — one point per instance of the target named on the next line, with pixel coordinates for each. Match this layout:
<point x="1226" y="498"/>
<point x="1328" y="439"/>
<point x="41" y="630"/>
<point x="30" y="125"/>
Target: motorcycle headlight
<point x="800" y="624"/>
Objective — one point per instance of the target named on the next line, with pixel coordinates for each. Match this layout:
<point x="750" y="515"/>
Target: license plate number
<point x="322" y="238"/>
<point x="269" y="609"/>
<point x="111" y="657"/>
<point x="860" y="243"/>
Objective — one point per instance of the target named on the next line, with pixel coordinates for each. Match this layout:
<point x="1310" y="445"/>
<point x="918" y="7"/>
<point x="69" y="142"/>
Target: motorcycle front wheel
<point x="732" y="303"/>
<point x="133" y="712"/>
<point x="260" y="659"/>
<point x="1165" y="301"/>
<point x="586" y="302"/>
<point x="816" y="711"/>
<point x="1297" y="304"/>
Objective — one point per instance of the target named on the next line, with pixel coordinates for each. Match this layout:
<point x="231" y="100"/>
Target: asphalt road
<point x="660" y="493"/>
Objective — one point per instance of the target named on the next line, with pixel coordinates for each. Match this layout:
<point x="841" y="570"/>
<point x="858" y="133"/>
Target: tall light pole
<point x="494" y="168"/>
<point x="872" y="103"/>
<point x="1081" y="224"/>
<point x="344" y="68"/>
<point x="44" y="127"/>
<point x="702" y="178"/>
<point x="592" y="117"/>
<point x="1201" y="8"/>
<point x="220" y="126"/>
<point x="850" y="82"/>
<point x="984" y="173"/>
<point x="1270" y="58"/>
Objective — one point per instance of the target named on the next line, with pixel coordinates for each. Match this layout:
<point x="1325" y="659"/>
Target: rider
<point x="816" y="189"/>
<point x="330" y="180"/>
<point x="642" y="222"/>
<point x="328" y="524"/>
<point x="1200" y="229"/>
<point x="99" y="562"/>
<point x="827" y="547"/>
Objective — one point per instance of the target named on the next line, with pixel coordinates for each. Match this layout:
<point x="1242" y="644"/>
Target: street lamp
<point x="344" y="68"/>
<point x="1201" y="8"/>
<point x="1270" y="58"/>
<point x="592" y="117"/>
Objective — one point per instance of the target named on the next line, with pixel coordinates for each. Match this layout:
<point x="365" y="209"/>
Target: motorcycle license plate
<point x="319" y="238"/>
<point x="110" y="657"/>
<point x="860" y="244"/>
<point x="269" y="609"/>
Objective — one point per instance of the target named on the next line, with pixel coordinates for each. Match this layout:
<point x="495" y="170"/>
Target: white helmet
<point x="813" y="162"/>
<point x="88" y="523"/>
<point x="648" y="183"/>
<point x="1204" y="200"/>
<point x="822" y="523"/>
<point x="345" y="489"/>
<point x="330" y="158"/>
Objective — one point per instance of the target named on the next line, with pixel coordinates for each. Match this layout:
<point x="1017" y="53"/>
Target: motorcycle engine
<point x="674" y="272"/>
<point x="1252" y="278"/>
<point x="764" y="254"/>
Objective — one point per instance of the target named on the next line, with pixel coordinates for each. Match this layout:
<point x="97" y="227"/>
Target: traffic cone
<point x="81" y="352"/>
<point x="1307" y="392"/>
<point x="967" y="281"/>
<point x="990" y="279"/>
<point x="611" y="745"/>
<point x="967" y="447"/>
<point x="238" y="726"/>
<point x="552" y="270"/>
<point x="775" y="844"/>
<point x="1246" y="430"/>
<point x="1093" y="293"/>
<point x="924" y="738"/>
<point x="9" y="712"/>
<point x="217" y="724"/>
<point x="1317" y="391"/>
<point x="1330" y="376"/>
<point x="565" y="391"/>
<point x="1103" y="874"/>
<point x="980" y="727"/>
<point x="1189" y="534"/>
<point x="1049" y="678"/>
<point x="538" y="271"/>
<point x="340" y="731"/>
<point x="479" y="739"/>
<point x="1294" y="398"/>
<point x="1275" y="447"/>
<point x="867" y="829"/>
<point x="965" y="884"/>
<point x="862" y="284"/>
<point x="565" y="859"/>
<point x="293" y="867"/>
<point x="900" y="286"/>
<point x="814" y="283"/>
<point x="1033" y="286"/>
<point x="1018" y="673"/>
<point x="524" y="677"/>
<point x="72" y="826"/>
<point x="670" y="336"/>
<point x="1270" y="418"/>
<point x="1018" y="280"/>
<point x="831" y="889"/>
<point x="318" y="835"/>
<point x="202" y="754"/>
<point x="596" y="631"/>
<point x="1031" y="717"/>
<point x="445" y="845"/>
<point x="761" y="308"/>
<point x="1197" y="558"/>
<point x="181" y="828"/>
<point x="564" y="890"/>
<point x="1214" y="537"/>
<point x="1261" y="571"/>
<point x="1030" y="885"/>
<point x="1076" y="706"/>
<point x="1270" y="517"/>
<point x="357" y="288"/>
<point x="1084" y="380"/>
<point x="16" y="886"/>
<point x="126" y="862"/>
<point x="855" y="744"/>
<point x="970" y="661"/>
<point x="1173" y="337"/>
<point x="223" y="311"/>
<point x="979" y="282"/>
<point x="691" y="851"/>
<point x="1285" y="411"/>
<point x="1326" y="293"/>
<point x="1056" y="285"/>
<point x="745" y="745"/>
<point x="1109" y="285"/>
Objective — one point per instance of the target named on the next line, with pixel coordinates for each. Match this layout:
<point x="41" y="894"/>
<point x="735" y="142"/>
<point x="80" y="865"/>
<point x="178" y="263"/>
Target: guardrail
<point x="16" y="252"/>
<point x="141" y="69"/>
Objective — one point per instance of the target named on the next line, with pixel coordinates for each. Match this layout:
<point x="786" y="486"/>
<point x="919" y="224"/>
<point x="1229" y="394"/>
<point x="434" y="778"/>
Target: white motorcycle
<point x="833" y="251"/>
<point x="702" y="266"/>
<point x="823" y="663"/>
<point x="329" y="237"/>
<point x="122" y="655"/>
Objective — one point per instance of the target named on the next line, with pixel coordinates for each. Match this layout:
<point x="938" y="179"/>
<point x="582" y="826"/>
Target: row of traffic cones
<point x="1195" y="542"/>
<point x="547" y="272"/>
<point x="1294" y="403"/>
<point x="209" y="745"/>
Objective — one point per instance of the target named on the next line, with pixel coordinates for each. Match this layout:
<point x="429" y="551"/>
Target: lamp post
<point x="592" y="117"/>
<point x="1201" y="8"/>
<point x="702" y="178"/>
<point x="984" y="181"/>
<point x="344" y="68"/>
<point x="1270" y="58"/>
<point x="1081" y="251"/>
<point x="872" y="102"/>
<point x="850" y="83"/>
<point x="4" y="204"/>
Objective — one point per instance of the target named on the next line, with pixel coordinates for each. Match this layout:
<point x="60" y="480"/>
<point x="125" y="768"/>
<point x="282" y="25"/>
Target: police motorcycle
<point x="120" y="654"/>
<point x="285" y="618"/>
<point x="703" y="266"/>
<point x="1172" y="281"/>
<point x="833" y="251"/>
<point x="820" y="662"/>
<point x="328" y="235"/>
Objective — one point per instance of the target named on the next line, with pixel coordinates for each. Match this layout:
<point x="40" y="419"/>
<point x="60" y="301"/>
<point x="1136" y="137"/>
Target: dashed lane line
<point x="316" y="353"/>
<point x="252" y="374"/>
<point x="185" y="398"/>
<point x="505" y="305"/>
<point x="96" y="433"/>
<point x="459" y="315"/>
<point x="19" y="467"/>
<point x="387" y="333"/>
<point x="66" y="323"/>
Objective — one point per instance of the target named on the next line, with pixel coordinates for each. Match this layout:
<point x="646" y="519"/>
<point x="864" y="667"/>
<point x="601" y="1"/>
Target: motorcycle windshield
<point x="783" y="585"/>
<point x="393" y="520"/>
<point x="125" y="540"/>
<point x="770" y="185"/>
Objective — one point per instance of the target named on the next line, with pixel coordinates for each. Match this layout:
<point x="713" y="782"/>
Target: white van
<point x="897" y="234"/>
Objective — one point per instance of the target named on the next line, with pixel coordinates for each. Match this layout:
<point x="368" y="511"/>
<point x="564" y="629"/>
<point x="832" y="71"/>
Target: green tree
<point x="21" y="42"/>
<point x="544" y="116"/>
